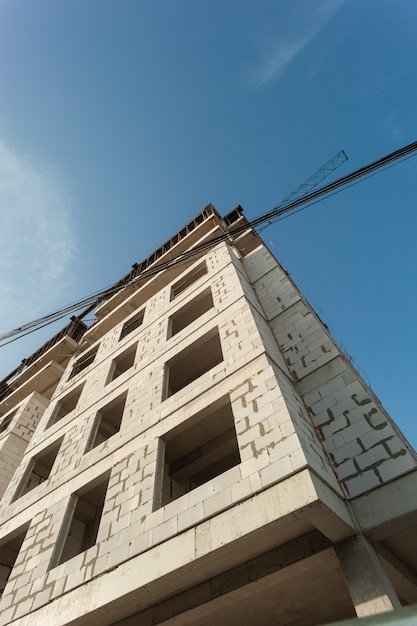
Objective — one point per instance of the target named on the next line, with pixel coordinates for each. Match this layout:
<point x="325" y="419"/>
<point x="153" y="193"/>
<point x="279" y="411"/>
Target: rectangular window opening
<point x="179" y="320"/>
<point x="9" y="550"/>
<point x="132" y="324"/>
<point x="193" y="362"/>
<point x="122" y="363"/>
<point x="65" y="406"/>
<point x="81" y="524"/>
<point x="108" y="421"/>
<point x="188" y="280"/>
<point x="196" y="451"/>
<point x="83" y="362"/>
<point x="39" y="469"/>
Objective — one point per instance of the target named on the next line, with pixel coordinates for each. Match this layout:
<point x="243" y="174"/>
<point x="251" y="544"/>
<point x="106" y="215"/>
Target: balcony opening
<point x="132" y="324"/>
<point x="122" y="363"/>
<point x="39" y="469"/>
<point x="108" y="421"/>
<point x="83" y="362"/>
<point x="193" y="362"/>
<point x="82" y="520"/>
<point x="179" y="320"/>
<point x="9" y="550"/>
<point x="196" y="451"/>
<point x="65" y="406"/>
<point x="188" y="280"/>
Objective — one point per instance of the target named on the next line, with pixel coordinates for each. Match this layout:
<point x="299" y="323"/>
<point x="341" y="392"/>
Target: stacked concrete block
<point x="19" y="427"/>
<point x="359" y="438"/>
<point x="206" y="419"/>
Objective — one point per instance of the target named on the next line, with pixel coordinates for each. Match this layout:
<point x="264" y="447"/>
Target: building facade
<point x="204" y="453"/>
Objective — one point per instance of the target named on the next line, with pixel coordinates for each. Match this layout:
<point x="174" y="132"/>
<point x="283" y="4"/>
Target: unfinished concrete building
<point x="204" y="453"/>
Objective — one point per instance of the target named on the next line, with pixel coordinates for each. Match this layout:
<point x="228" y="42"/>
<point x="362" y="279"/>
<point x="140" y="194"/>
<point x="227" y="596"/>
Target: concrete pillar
<point x="369" y="587"/>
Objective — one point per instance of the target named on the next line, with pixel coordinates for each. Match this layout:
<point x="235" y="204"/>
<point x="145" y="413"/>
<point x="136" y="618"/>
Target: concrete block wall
<point x="270" y="446"/>
<point x="259" y="268"/>
<point x="365" y="447"/>
<point x="316" y="455"/>
<point x="296" y="401"/>
<point x="297" y="405"/>
<point x="14" y="440"/>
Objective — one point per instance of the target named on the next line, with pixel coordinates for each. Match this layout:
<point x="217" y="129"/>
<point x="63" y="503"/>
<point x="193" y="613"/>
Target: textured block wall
<point x="364" y="445"/>
<point x="296" y="403"/>
<point x="14" y="440"/>
<point x="268" y="435"/>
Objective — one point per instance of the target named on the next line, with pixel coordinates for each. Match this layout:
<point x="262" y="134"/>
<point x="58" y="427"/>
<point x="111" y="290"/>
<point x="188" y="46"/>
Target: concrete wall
<point x="269" y="443"/>
<point x="364" y="446"/>
<point x="279" y="372"/>
<point x="14" y="440"/>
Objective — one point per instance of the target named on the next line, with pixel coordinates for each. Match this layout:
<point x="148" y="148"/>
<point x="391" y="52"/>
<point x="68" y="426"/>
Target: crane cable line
<point x="279" y="212"/>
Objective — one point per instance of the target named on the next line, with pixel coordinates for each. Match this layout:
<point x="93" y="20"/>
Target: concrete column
<point x="369" y="587"/>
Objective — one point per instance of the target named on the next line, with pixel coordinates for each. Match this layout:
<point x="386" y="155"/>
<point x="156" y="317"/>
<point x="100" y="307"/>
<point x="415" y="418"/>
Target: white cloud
<point x="277" y="54"/>
<point x="37" y="238"/>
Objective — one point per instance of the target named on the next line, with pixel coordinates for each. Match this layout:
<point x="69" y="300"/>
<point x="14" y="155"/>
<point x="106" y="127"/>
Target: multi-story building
<point x="204" y="453"/>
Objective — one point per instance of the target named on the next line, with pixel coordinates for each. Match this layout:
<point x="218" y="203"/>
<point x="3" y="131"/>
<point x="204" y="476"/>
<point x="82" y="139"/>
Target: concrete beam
<point x="393" y="560"/>
<point x="389" y="508"/>
<point x="258" y="524"/>
<point x="329" y="514"/>
<point x="226" y="583"/>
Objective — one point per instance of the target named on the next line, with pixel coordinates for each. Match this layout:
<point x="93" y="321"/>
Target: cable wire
<point x="278" y="213"/>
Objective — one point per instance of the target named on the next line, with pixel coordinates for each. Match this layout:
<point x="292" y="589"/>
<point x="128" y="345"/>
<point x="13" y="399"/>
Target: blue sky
<point x="121" y="119"/>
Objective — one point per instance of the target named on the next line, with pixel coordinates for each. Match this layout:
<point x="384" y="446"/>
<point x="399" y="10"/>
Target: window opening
<point x="179" y="320"/>
<point x="83" y="362"/>
<point x="66" y="405"/>
<point x="122" y="363"/>
<point x="108" y="421"/>
<point x="193" y="362"/>
<point x="189" y="279"/>
<point x="80" y="528"/>
<point x="9" y="550"/>
<point x="39" y="469"/>
<point x="132" y="324"/>
<point x="196" y="451"/>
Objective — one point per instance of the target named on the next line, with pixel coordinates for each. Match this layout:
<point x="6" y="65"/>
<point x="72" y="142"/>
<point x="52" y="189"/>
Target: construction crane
<point x="309" y="184"/>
